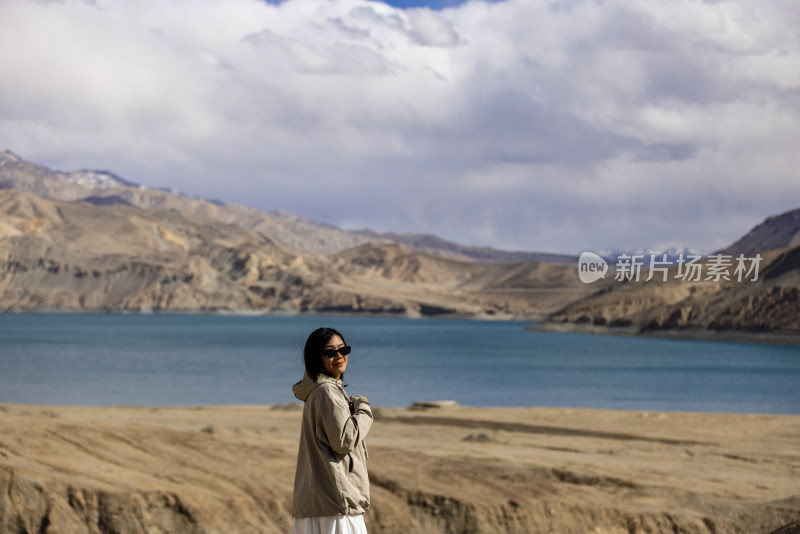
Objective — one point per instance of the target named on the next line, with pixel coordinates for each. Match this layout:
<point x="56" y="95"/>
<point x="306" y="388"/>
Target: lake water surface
<point x="161" y="360"/>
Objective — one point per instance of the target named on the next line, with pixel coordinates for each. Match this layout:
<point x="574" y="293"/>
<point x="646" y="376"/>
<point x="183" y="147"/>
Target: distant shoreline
<point x="527" y="318"/>
<point x="689" y="334"/>
<point x="540" y="323"/>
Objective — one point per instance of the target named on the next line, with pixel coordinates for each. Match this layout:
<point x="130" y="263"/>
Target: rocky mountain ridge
<point x="293" y="231"/>
<point x="81" y="256"/>
<point x="108" y="245"/>
<point x="762" y="307"/>
<point x="776" y="231"/>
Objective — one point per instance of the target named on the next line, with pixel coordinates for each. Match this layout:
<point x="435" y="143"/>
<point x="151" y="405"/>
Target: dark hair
<point x="312" y="353"/>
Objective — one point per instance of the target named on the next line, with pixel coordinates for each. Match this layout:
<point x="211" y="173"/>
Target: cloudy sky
<point x="548" y="125"/>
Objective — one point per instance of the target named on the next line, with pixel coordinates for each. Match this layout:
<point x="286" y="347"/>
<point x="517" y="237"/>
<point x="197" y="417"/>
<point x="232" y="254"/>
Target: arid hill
<point x="762" y="305"/>
<point x="76" y="256"/>
<point x="106" y="188"/>
<point x="767" y="309"/>
<point x="436" y="245"/>
<point x="292" y="231"/>
<point x="81" y="256"/>
<point x="777" y="231"/>
<point x="90" y="241"/>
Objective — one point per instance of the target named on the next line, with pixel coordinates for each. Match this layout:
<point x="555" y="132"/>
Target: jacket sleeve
<point x="344" y="432"/>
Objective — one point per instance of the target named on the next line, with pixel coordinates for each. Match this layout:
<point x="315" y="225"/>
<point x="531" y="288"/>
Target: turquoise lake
<point x="188" y="360"/>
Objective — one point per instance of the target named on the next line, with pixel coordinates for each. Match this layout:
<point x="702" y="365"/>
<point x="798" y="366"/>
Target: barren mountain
<point x="105" y="188"/>
<point x="393" y="262"/>
<point x="777" y="231"/>
<point x="72" y="255"/>
<point x="436" y="245"/>
<point x="764" y="306"/>
<point x="767" y="308"/>
<point x="108" y="244"/>
<point x="84" y="256"/>
<point x="293" y="231"/>
<point x="516" y="289"/>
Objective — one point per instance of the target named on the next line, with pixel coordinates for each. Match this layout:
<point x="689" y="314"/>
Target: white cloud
<point x="430" y="29"/>
<point x="526" y="124"/>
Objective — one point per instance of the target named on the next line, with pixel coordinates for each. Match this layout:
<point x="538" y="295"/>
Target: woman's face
<point x="334" y="366"/>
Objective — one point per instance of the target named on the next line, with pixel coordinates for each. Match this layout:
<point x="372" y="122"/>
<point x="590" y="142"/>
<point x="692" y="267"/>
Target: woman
<point x="331" y="488"/>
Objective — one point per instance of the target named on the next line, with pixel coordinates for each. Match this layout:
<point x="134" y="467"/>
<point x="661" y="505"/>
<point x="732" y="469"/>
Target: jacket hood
<point x="304" y="388"/>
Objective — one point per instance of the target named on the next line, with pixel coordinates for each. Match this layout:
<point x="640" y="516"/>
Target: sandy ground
<point x="441" y="469"/>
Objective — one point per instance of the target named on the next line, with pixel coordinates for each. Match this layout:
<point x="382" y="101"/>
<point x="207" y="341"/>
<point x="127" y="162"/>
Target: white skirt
<point x="332" y="524"/>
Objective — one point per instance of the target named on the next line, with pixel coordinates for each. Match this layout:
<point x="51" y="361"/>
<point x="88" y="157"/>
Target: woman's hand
<point x="354" y="397"/>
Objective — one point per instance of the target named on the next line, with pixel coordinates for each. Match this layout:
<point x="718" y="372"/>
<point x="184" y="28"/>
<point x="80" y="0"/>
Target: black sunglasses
<point x="331" y="353"/>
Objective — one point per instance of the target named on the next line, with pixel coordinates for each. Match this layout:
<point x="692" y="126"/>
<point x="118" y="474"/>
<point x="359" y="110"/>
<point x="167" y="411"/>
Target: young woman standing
<point x="331" y="487"/>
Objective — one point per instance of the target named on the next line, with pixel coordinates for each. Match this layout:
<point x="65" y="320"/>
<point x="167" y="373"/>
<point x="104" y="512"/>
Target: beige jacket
<point x="331" y="476"/>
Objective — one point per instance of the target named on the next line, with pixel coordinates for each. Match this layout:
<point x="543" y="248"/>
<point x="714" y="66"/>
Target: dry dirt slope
<point x="82" y="257"/>
<point x="75" y="256"/>
<point x="764" y="309"/>
<point x="452" y="470"/>
<point x="767" y="309"/>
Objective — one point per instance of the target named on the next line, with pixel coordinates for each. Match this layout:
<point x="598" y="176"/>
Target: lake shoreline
<point x="535" y="323"/>
<point x="690" y="334"/>
<point x="520" y="318"/>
